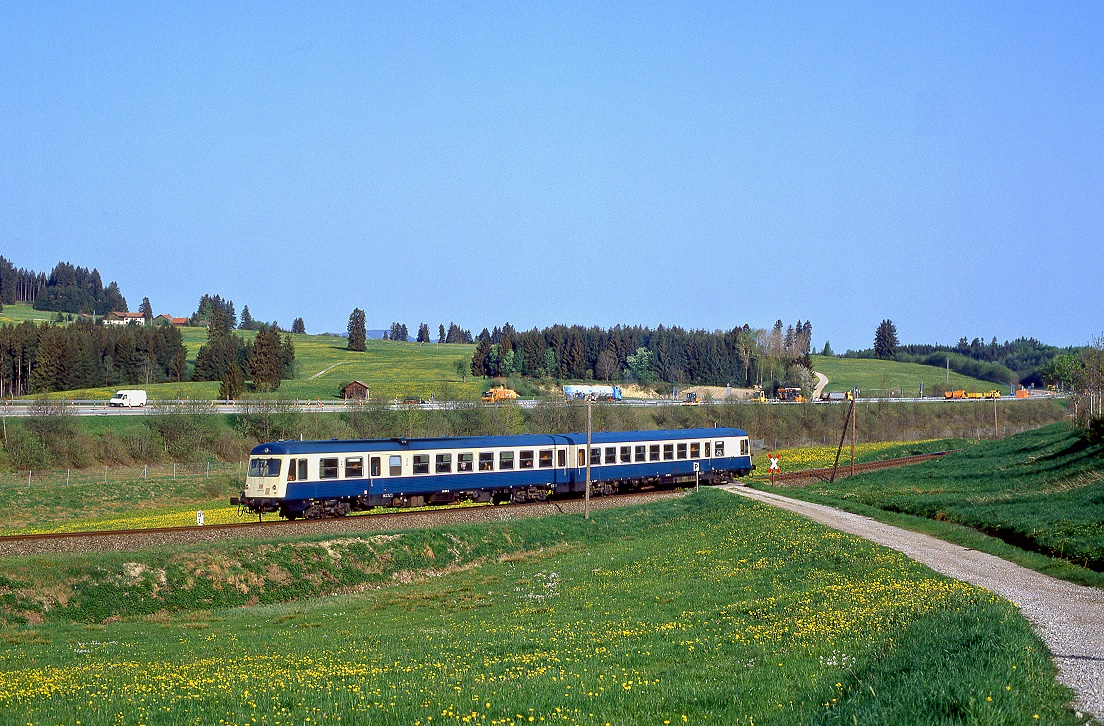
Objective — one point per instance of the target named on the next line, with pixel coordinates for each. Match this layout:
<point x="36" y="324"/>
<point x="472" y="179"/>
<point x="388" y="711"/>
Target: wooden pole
<point x="996" y="431"/>
<point x="586" y="494"/>
<point x="854" y="417"/>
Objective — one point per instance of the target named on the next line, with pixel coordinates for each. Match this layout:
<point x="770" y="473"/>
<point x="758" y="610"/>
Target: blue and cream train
<point x="331" y="478"/>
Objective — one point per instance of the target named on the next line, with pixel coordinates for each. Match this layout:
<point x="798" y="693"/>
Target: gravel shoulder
<point x="1068" y="617"/>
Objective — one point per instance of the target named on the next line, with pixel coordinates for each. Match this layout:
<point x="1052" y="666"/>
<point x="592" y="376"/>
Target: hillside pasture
<point x="323" y="364"/>
<point x="885" y="378"/>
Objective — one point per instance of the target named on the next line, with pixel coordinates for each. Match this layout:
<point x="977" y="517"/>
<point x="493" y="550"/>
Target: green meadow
<point x="876" y="378"/>
<point x="704" y="609"/>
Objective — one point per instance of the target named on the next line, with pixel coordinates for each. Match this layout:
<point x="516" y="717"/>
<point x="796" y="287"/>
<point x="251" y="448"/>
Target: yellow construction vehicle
<point x="502" y="393"/>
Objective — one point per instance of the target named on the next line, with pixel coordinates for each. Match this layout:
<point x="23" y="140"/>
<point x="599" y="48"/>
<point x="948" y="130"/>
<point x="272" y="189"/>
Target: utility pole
<point x="854" y="417"/>
<point x="586" y="494"/>
<point x="996" y="431"/>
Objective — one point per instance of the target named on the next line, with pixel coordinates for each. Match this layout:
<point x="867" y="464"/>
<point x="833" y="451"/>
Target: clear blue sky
<point x="702" y="165"/>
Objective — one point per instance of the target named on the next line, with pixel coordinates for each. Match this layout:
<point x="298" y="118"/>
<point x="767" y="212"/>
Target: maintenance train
<point x="315" y="479"/>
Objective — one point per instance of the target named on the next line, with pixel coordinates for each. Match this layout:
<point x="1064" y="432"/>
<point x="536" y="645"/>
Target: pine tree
<point x="441" y="335"/>
<point x="246" y="319"/>
<point x="232" y="383"/>
<point x="423" y="333"/>
<point x="885" y="340"/>
<point x="357" y="334"/>
<point x="298" y="326"/>
<point x="147" y="310"/>
<point x="266" y="364"/>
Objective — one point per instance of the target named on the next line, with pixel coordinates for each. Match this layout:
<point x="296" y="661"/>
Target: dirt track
<point x="1069" y="618"/>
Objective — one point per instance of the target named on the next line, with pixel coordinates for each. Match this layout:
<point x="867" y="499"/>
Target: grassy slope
<point x="1041" y="491"/>
<point x="879" y="377"/>
<point x="705" y="609"/>
<point x="18" y="313"/>
<point x="391" y="369"/>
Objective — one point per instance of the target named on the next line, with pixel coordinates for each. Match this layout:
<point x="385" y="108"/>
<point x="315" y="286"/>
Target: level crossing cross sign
<point x="774" y="463"/>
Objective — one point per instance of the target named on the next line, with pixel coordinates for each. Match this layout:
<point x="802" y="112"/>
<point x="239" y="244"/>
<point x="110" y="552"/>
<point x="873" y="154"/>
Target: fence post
<point x="174" y="470"/>
<point x="208" y="470"/>
<point x="67" y="477"/>
<point x="105" y="475"/>
<point x="28" y="478"/>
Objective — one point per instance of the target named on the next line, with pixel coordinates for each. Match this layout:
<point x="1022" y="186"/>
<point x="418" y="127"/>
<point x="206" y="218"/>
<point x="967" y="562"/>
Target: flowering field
<point x="59" y="501"/>
<point x="709" y="608"/>
<point x="816" y="457"/>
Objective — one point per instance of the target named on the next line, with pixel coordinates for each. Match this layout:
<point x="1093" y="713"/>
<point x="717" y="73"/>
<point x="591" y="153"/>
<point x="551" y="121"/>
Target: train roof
<point x="337" y="446"/>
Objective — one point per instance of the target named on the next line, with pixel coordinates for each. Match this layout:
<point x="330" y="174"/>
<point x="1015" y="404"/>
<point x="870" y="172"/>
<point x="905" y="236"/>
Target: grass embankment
<point x="877" y="378"/>
<point x="704" y="609"/>
<point x="1040" y="492"/>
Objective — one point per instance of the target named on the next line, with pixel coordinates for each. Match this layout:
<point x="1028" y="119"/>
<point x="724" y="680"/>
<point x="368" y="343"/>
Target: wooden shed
<point x="356" y="389"/>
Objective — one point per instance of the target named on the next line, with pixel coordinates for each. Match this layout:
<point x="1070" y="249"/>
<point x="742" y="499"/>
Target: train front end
<point x="265" y="484"/>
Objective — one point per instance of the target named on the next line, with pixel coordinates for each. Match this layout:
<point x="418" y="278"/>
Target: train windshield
<point x="264" y="467"/>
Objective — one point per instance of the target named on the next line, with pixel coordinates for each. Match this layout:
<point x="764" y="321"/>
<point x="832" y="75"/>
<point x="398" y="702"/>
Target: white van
<point x="130" y="399"/>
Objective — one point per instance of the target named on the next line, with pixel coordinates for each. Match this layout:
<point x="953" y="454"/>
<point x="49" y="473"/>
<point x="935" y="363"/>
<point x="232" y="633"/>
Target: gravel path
<point x="1069" y="618"/>
<point x="822" y="381"/>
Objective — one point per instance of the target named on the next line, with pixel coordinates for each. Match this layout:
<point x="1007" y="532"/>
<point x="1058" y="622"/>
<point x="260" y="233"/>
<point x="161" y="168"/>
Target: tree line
<point x="43" y="358"/>
<point x="67" y="289"/>
<point x="742" y="356"/>
<point x="40" y="358"/>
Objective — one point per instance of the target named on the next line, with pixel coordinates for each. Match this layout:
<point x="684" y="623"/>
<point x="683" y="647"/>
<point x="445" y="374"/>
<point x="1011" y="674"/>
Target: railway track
<point x="122" y="540"/>
<point x="133" y="539"/>
<point x="808" y="476"/>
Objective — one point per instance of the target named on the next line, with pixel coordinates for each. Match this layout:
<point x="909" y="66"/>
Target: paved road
<point x="1069" y="618"/>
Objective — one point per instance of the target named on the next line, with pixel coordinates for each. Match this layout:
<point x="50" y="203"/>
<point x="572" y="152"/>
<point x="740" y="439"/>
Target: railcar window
<point x="626" y="454"/>
<point x="444" y="464"/>
<point x="544" y="459"/>
<point x="395" y="466"/>
<point x="668" y="452"/>
<point x="681" y="451"/>
<point x="421" y="463"/>
<point x="744" y="446"/>
<point x="264" y="467"/>
<point x="639" y="455"/>
<point x="505" y="460"/>
<point x="582" y="458"/>
<point x="327" y="468"/>
<point x="707" y="449"/>
<point x="695" y="450"/>
<point x="718" y="449"/>
<point x="486" y="461"/>
<point x="302" y="470"/>
<point x="464" y="462"/>
<point x="291" y="470"/>
<point x="611" y="454"/>
<point x="595" y="456"/>
<point x="525" y="460"/>
<point x="375" y="466"/>
<point x="653" y="452"/>
<point x="354" y="467"/>
<point x="561" y="458"/>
